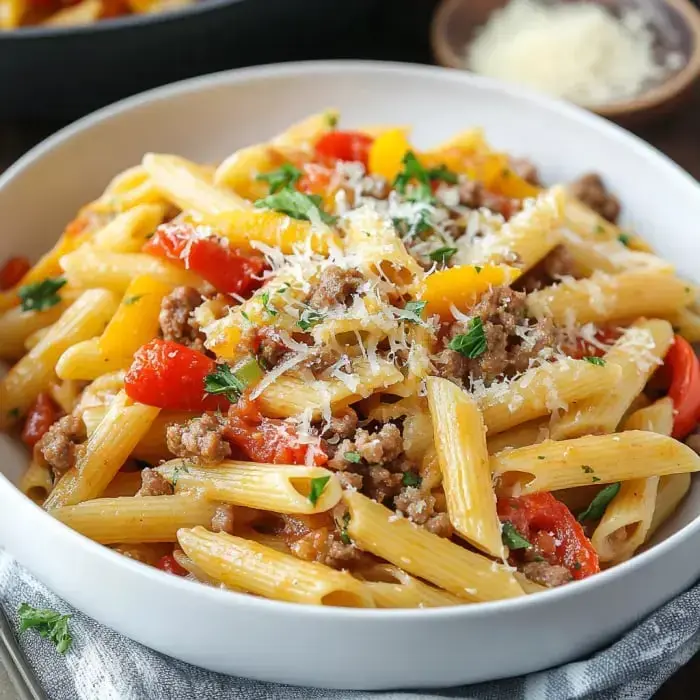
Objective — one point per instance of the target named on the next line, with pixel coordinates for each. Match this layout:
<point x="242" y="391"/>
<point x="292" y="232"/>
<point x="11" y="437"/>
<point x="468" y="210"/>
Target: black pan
<point x="62" y="73"/>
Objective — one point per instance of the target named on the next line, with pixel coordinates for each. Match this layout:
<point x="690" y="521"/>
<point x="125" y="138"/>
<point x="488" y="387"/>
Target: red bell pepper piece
<point x="541" y="518"/>
<point x="41" y="416"/>
<point x="169" y="564"/>
<point x="228" y="269"/>
<point x="344" y="145"/>
<point x="169" y="375"/>
<point x="684" y="391"/>
<point x="12" y="272"/>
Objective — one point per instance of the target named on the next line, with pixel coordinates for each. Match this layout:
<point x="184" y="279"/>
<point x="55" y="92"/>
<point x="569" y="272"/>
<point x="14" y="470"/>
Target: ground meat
<point x="201" y="439"/>
<point x="693" y="441"/>
<point x="60" y="445"/>
<point x="549" y="575"/>
<point x="176" y="322"/>
<point x="526" y="169"/>
<point x="335" y="286"/>
<point x="591" y="190"/>
<point x="154" y="484"/>
<point x="502" y="311"/>
<point x="415" y="504"/>
<point x="381" y="447"/>
<point x="320" y="359"/>
<point x="559" y="263"/>
<point x="439" y="524"/>
<point x="268" y="347"/>
<point x="222" y="521"/>
<point x="474" y="195"/>
<point x="341" y="426"/>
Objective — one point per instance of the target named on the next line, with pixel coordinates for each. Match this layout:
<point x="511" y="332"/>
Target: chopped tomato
<point x="169" y="375"/>
<point x="584" y="348"/>
<point x="552" y="530"/>
<point x="228" y="269"/>
<point x="317" y="179"/>
<point x="12" y="272"/>
<point x="684" y="391"/>
<point x="344" y="145"/>
<point x="77" y="226"/>
<point x="41" y="416"/>
<point x="268" y="440"/>
<point x="169" y="564"/>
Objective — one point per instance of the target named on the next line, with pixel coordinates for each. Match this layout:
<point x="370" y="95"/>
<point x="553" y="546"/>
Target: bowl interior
<point x="674" y="41"/>
<point x="207" y="118"/>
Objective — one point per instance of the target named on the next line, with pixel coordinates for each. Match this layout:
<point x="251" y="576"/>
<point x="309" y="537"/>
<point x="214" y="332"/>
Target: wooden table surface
<point x="678" y="136"/>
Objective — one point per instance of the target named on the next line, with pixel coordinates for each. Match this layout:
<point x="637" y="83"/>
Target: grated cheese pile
<point x="578" y="51"/>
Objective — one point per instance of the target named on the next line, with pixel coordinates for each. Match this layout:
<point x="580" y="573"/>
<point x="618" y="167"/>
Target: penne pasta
<point x="36" y="482"/>
<point x="128" y="231"/>
<point x="258" y="569"/>
<point x="671" y="491"/>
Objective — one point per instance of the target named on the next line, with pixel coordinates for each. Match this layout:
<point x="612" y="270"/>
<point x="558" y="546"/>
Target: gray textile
<point x="101" y="665"/>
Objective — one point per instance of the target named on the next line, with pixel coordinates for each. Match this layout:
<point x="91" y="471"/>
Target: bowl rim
<point x="232" y="78"/>
<point x="447" y="56"/>
<point x="139" y="19"/>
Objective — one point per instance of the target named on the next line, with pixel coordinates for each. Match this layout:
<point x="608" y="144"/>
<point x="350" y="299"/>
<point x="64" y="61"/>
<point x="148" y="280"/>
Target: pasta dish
<point x="15" y="14"/>
<point x="335" y="369"/>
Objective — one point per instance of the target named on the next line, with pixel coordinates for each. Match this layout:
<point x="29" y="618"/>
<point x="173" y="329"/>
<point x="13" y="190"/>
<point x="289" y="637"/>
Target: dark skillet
<point x="62" y="73"/>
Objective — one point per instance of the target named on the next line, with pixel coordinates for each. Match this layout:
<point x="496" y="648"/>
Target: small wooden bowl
<point x="677" y="30"/>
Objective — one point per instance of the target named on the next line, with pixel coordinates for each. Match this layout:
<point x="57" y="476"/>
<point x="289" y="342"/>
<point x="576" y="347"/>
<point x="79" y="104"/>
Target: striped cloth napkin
<point x="102" y="665"/>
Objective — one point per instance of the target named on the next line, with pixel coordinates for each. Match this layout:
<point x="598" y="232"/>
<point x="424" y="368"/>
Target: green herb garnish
<point x="128" y="301"/>
<point x="512" y="538"/>
<point x="309" y="318"/>
<point x="13" y="413"/>
<point x="625" y="239"/>
<point x="232" y="383"/>
<point x="285" y="176"/>
<point x="296" y="204"/>
<point x="596" y="509"/>
<point x="413" y="170"/>
<point x="595" y="361"/>
<point x="587" y="469"/>
<point x="353" y="457"/>
<point x="176" y="474"/>
<point x="271" y="310"/>
<point x="344" y="537"/>
<point x="411" y="313"/>
<point x="442" y="255"/>
<point x="471" y="344"/>
<point x="411" y="479"/>
<point x="41" y="295"/>
<point x="48" y="623"/>
<point x="317" y="486"/>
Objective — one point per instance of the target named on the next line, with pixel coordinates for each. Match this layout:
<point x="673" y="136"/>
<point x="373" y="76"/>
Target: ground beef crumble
<point x="154" y="484"/>
<point x="527" y="170"/>
<point x="335" y="286"/>
<point x="61" y="444"/>
<point x="549" y="575"/>
<point x="176" y="321"/>
<point x="590" y="189"/>
<point x="474" y="195"/>
<point x="502" y="311"/>
<point x="201" y="439"/>
<point x="559" y="263"/>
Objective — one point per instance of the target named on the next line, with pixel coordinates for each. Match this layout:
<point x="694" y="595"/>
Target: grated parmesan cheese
<point x="578" y="51"/>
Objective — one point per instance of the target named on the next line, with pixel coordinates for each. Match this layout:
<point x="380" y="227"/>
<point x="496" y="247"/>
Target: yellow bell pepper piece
<point x="461" y="286"/>
<point x="387" y="152"/>
<point x="135" y="321"/>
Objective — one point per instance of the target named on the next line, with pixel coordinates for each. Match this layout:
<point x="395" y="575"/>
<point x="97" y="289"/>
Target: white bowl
<point x="206" y="119"/>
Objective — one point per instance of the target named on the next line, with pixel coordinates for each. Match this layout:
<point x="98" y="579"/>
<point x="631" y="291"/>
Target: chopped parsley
<point x="296" y="204"/>
<point x="442" y="255"/>
<point x="245" y="316"/>
<point x="271" y="310"/>
<point x="128" y="301"/>
<point x="541" y="457"/>
<point x="471" y="344"/>
<point x="331" y="120"/>
<point x="411" y="479"/>
<point x="412" y="311"/>
<point x="596" y="509"/>
<point x="286" y="175"/>
<point x="587" y="469"/>
<point x="478" y="268"/>
<point x="353" y="457"/>
<point x="600" y="228"/>
<point x="317" y="486"/>
<point x="48" y="623"/>
<point x="625" y="239"/>
<point x="344" y="537"/>
<point x="309" y="318"/>
<point x="595" y="361"/>
<point x="512" y="538"/>
<point x="232" y="384"/>
<point x="413" y="170"/>
<point x="595" y="478"/>
<point x="41" y="295"/>
<point x="176" y="473"/>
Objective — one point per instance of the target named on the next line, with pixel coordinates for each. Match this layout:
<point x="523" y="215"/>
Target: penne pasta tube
<point x="135" y="519"/>
<point x="602" y="298"/>
<point x="529" y="586"/>
<point x="84" y="12"/>
<point x="128" y="232"/>
<point x="86" y="317"/>
<point x="88" y="267"/>
<point x="530" y="433"/>
<point x="593" y="459"/>
<point x="471" y="576"/>
<point x="636" y="355"/>
<point x="282" y="488"/>
<point x="17" y="327"/>
<point x="460" y="441"/>
<point x="671" y="491"/>
<point x="123" y="484"/>
<point x="257" y="569"/>
<point x="272" y="541"/>
<point x="127" y="190"/>
<point x="84" y="360"/>
<point x="542" y="390"/>
<point x="686" y="323"/>
<point x="36" y="482"/>
<point x="105" y="452"/>
<point x="396" y="589"/>
<point x="197" y="572"/>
